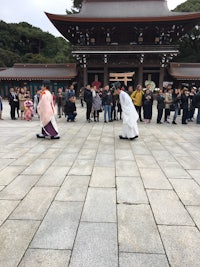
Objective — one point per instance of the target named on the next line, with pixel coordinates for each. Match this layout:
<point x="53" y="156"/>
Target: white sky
<point x="32" y="11"/>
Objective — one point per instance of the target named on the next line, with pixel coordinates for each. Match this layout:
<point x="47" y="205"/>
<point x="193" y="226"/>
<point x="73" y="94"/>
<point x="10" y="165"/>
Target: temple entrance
<point x="124" y="77"/>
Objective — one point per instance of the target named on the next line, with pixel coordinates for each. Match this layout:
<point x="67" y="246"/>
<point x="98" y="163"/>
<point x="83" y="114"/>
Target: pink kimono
<point x="28" y="112"/>
<point x="46" y="111"/>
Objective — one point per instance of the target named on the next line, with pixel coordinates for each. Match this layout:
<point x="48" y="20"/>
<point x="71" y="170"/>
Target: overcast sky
<point x="32" y="11"/>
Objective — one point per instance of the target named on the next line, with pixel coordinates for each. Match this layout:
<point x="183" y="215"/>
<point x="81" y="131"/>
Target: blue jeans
<point x="71" y="117"/>
<point x="107" y="109"/>
<point x="175" y="113"/>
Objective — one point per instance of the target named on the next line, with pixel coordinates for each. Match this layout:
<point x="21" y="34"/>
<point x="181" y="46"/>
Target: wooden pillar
<point x="105" y="74"/>
<point x="140" y="74"/>
<point x="85" y="75"/>
<point x="161" y="77"/>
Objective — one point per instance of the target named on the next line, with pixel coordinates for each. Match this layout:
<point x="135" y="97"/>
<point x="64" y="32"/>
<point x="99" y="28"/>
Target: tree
<point x="21" y="42"/>
<point x="190" y="43"/>
<point x="77" y="4"/>
<point x="188" y="6"/>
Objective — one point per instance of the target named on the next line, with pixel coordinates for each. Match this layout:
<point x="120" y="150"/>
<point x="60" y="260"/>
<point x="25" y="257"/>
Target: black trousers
<point x="167" y="113"/>
<point x="160" y="113"/>
<point x="138" y="109"/>
<point x="184" y="116"/>
<point x="88" y="110"/>
<point x="12" y="110"/>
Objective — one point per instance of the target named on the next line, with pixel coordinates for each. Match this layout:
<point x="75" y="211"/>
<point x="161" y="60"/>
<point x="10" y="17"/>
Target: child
<point x="70" y="109"/>
<point x="28" y="113"/>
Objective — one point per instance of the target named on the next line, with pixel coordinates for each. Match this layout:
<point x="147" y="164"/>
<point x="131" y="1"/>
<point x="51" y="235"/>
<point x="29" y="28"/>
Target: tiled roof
<point x="185" y="71"/>
<point x="125" y="10"/>
<point x="39" y="72"/>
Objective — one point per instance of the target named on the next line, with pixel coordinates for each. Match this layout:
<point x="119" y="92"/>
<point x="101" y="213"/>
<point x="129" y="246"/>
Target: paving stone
<point x="15" y="153"/>
<point x="136" y="226"/>
<point x="100" y="205"/>
<point x="140" y="149"/>
<point x="19" y="187"/>
<point x="8" y="174"/>
<point x="95" y="245"/>
<point x="131" y="190"/>
<point x="176" y="173"/>
<point x="12" y="245"/>
<point x="124" y="154"/>
<point x="82" y="167"/>
<point x="35" y="204"/>
<point x="166" y="148"/>
<point x="195" y="174"/>
<point x="25" y="160"/>
<point x="126" y="168"/>
<point x="65" y="160"/>
<point x="189" y="164"/>
<point x="38" y="167"/>
<point x="146" y="161"/>
<point x="5" y="162"/>
<point x="58" y="229"/>
<point x="87" y="154"/>
<point x="154" y="179"/>
<point x="170" y="163"/>
<point x="78" y="142"/>
<point x="74" y="188"/>
<point x="45" y="258"/>
<point x="51" y="153"/>
<point x="6" y="208"/>
<point x="142" y="260"/>
<point x="182" y="245"/>
<point x="195" y="214"/>
<point x="105" y="160"/>
<point x="188" y="191"/>
<point x="91" y="144"/>
<point x="1" y="187"/>
<point x="103" y="177"/>
<point x="106" y="149"/>
<point x="161" y="155"/>
<point x="176" y="150"/>
<point x="44" y="145"/>
<point x="122" y="144"/>
<point x="54" y="176"/>
<point x="71" y="149"/>
<point x="168" y="209"/>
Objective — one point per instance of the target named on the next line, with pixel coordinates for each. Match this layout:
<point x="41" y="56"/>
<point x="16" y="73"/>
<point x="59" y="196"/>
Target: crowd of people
<point x="175" y="102"/>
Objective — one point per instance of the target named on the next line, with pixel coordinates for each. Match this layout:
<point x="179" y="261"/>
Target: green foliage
<point x="190" y="43"/>
<point x="188" y="6"/>
<point x="8" y="58"/>
<point x="21" y="42"/>
<point x="77" y="4"/>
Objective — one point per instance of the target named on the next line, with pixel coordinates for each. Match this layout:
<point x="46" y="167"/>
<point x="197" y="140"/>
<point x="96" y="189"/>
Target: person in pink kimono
<point x="46" y="111"/>
<point x="28" y="108"/>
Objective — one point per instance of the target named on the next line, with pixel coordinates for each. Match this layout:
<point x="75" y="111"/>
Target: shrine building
<point x="128" y="40"/>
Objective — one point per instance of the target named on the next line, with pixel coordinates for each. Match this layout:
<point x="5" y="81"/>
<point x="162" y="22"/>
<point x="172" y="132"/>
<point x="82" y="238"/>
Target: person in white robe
<point x="129" y="115"/>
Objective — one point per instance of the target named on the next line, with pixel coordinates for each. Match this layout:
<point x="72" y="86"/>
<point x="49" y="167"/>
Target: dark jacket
<point x="184" y="101"/>
<point x="147" y="102"/>
<point x="13" y="100"/>
<point x="88" y="96"/>
<point x="196" y="100"/>
<point x="160" y="102"/>
<point x="107" y="98"/>
<point x="70" y="107"/>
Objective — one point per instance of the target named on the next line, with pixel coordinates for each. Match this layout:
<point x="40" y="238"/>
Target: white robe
<point x="129" y="116"/>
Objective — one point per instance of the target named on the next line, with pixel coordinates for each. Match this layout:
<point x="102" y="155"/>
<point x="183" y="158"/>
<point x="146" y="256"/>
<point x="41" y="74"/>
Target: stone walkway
<point x="92" y="200"/>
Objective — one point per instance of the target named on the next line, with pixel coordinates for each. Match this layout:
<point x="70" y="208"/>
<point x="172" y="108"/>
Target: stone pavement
<point x="92" y="200"/>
